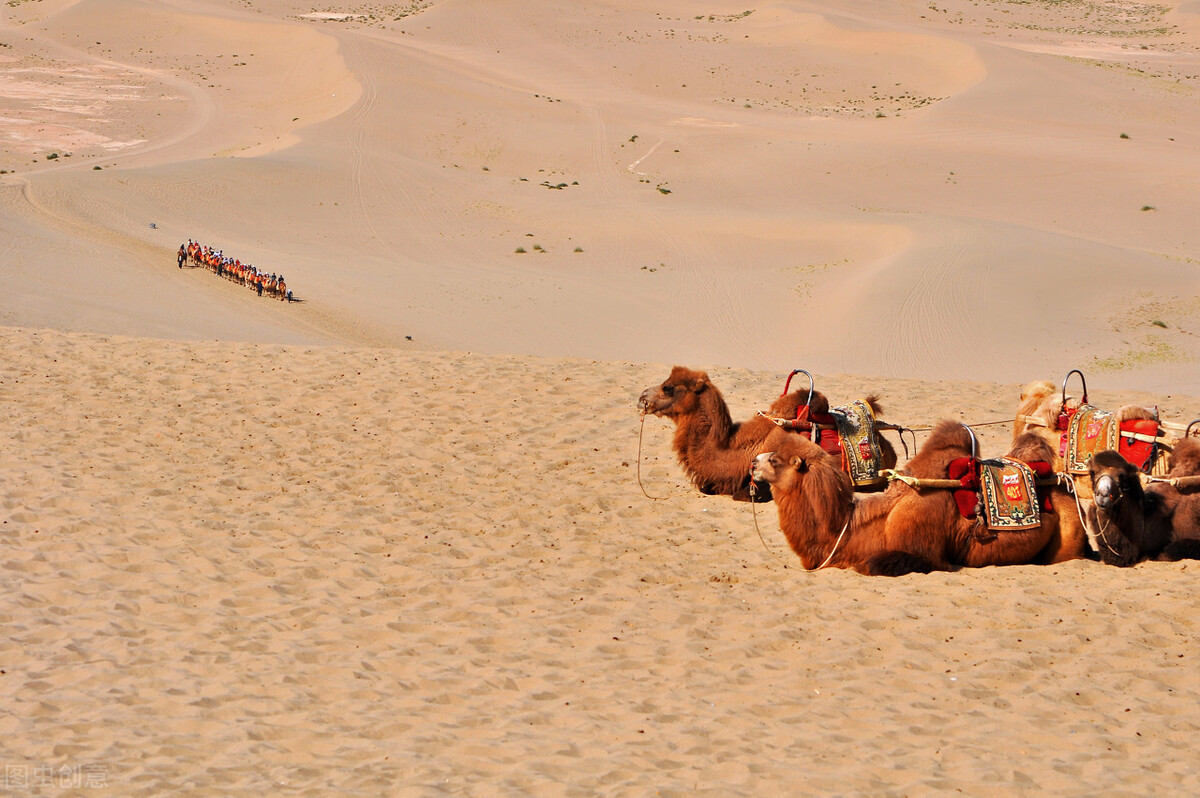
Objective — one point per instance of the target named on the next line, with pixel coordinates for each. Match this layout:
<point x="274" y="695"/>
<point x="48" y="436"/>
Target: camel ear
<point x="700" y="383"/>
<point x="800" y="464"/>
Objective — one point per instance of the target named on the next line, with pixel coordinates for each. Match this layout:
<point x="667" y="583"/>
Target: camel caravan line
<point x="1077" y="482"/>
<point x="232" y="269"/>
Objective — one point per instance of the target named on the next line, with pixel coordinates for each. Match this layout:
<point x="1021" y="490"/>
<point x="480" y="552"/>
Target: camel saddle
<point x="1004" y="491"/>
<point x="852" y="439"/>
<point x="1087" y="430"/>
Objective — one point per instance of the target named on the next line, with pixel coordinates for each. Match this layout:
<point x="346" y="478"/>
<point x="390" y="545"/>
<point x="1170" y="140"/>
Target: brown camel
<point x="902" y="530"/>
<point x="1125" y="524"/>
<point x="1041" y="406"/>
<point x="716" y="451"/>
<point x="1128" y="524"/>
<point x="1039" y="411"/>
<point x="1182" y="502"/>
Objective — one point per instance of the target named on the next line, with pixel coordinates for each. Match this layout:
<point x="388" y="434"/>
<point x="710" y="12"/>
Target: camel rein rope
<point x="641" y="431"/>
<point x="761" y="539"/>
<point x="836" y="543"/>
<point x="1069" y="480"/>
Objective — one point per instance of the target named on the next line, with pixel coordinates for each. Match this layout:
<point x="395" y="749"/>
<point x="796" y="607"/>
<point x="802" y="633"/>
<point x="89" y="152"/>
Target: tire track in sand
<point x="935" y="320"/>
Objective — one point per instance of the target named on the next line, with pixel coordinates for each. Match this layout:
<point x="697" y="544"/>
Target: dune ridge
<point x="408" y="535"/>
<point x="446" y="173"/>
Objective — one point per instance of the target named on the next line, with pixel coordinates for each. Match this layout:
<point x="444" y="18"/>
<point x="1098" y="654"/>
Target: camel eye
<point x="668" y="389"/>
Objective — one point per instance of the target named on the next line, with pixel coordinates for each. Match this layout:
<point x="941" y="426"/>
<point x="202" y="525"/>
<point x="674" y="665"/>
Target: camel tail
<point x="897" y="563"/>
<point x="876" y="406"/>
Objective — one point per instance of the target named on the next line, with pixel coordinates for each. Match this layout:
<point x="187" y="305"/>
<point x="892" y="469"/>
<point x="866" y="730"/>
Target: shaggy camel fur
<point x="1181" y="504"/>
<point x="714" y="450"/>
<point x="901" y="530"/>
<point x="1125" y="524"/>
<point x="1129" y="524"/>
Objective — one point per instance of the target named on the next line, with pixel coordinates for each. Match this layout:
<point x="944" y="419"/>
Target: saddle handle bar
<point x="974" y="443"/>
<point x="1188" y="433"/>
<point x="1082" y="379"/>
<point x="811" y="385"/>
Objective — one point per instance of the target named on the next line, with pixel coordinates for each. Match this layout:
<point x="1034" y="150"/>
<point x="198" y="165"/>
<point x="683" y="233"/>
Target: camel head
<point x="678" y="395"/>
<point x="790" y="464"/>
<point x="1113" y="479"/>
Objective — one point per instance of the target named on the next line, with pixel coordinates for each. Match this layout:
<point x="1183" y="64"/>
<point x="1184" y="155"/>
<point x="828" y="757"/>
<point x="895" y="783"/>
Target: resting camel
<point x="714" y="450"/>
<point x="902" y="530"/>
<point x="1041" y="403"/>
<point x="1038" y="413"/>
<point x="1128" y="524"/>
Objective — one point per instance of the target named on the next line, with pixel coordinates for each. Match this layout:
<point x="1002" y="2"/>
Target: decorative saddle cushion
<point x="859" y="442"/>
<point x="1090" y="430"/>
<point x="1004" y="490"/>
<point x="854" y="440"/>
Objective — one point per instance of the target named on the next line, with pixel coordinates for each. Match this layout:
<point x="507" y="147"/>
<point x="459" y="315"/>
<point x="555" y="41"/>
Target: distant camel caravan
<point x="1078" y="482"/>
<point x="716" y="452"/>
<point x="271" y="285"/>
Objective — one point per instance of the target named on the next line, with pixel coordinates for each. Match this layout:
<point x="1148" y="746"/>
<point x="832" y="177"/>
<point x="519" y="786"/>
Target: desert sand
<point x="391" y="539"/>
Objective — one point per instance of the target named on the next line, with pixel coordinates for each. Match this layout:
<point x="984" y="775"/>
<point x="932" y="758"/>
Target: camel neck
<point x="815" y="531"/>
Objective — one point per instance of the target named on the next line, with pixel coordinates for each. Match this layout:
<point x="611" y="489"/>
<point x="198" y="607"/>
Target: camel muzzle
<point x="1106" y="493"/>
<point x="646" y="402"/>
<point x="757" y="465"/>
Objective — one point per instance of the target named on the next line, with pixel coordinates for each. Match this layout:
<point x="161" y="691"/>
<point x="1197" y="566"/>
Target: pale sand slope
<point x="280" y="570"/>
<point x="902" y="188"/>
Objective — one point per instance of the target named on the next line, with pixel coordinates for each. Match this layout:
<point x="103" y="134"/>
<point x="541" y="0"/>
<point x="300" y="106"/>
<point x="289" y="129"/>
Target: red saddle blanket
<point x="853" y="439"/>
<point x="1005" y="491"/>
<point x="1087" y="430"/>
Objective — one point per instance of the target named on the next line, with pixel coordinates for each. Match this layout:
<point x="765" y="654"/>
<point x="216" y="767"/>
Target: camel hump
<point x="1029" y="447"/>
<point x="1038" y="391"/>
<point x="950" y="434"/>
<point x="1040" y="403"/>
<point x="789" y="404"/>
<point x="949" y="441"/>
<point x="1185" y="459"/>
<point x="1136" y="413"/>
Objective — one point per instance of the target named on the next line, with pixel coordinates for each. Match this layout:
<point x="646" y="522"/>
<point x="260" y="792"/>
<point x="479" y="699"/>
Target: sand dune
<point x="391" y="539"/>
<point x="732" y="168"/>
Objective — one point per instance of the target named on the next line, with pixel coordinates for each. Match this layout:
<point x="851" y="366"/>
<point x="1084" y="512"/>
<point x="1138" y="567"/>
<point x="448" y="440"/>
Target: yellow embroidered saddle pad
<point x="1008" y="488"/>
<point x="860" y="443"/>
<point x="1091" y="430"/>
